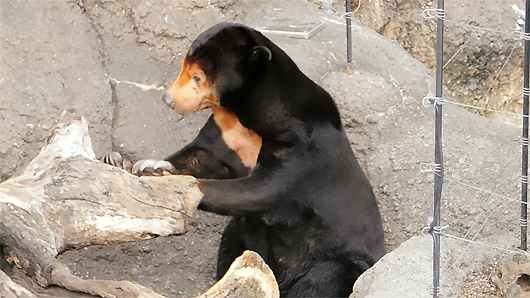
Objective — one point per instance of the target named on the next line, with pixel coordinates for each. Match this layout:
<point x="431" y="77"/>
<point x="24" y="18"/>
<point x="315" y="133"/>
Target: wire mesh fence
<point x="488" y="196"/>
<point x="472" y="178"/>
<point x="484" y="195"/>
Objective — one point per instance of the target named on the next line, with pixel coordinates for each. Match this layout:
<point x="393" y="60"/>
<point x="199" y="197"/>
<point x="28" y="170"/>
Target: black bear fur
<point x="306" y="207"/>
<point x="208" y="156"/>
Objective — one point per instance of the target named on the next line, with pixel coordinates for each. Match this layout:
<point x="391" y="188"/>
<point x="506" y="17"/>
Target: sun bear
<point x="275" y="157"/>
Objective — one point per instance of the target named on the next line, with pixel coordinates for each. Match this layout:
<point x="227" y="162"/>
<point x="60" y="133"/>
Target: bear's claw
<point x="152" y="166"/>
<point x="114" y="158"/>
<point x="145" y="167"/>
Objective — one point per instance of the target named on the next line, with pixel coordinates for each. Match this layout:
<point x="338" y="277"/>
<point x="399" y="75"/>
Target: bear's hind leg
<point x="241" y="233"/>
<point x="231" y="247"/>
<point x="324" y="279"/>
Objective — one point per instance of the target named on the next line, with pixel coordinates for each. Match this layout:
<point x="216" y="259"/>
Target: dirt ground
<point x="176" y="266"/>
<point x="112" y="59"/>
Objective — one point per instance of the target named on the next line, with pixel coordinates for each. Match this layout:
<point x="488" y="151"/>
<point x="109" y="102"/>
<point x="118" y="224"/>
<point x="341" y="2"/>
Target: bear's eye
<point x="196" y="79"/>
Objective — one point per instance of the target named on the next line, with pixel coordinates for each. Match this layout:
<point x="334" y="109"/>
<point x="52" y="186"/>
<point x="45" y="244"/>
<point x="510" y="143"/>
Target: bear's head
<point x="221" y="63"/>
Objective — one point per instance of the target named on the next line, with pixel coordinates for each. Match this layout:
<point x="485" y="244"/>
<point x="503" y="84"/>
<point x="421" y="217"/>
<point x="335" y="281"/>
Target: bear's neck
<point x="283" y="105"/>
<point x="284" y="117"/>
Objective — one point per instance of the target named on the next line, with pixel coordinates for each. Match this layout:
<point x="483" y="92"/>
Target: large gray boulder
<point x="406" y="272"/>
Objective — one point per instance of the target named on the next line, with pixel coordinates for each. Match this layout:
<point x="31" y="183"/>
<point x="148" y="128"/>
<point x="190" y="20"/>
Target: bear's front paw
<point x="114" y="158"/>
<point x="153" y="167"/>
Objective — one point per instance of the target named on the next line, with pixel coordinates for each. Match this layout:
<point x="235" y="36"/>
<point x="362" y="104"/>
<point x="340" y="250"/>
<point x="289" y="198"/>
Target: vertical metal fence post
<point x="526" y="93"/>
<point x="348" y="36"/>
<point x="435" y="229"/>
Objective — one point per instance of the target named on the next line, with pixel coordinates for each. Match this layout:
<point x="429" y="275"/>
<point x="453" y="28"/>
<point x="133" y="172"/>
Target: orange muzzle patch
<point x="192" y="91"/>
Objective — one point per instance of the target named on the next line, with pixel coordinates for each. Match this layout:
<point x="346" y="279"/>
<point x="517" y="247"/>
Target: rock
<point x="50" y="62"/>
<point x="513" y="276"/>
<point x="477" y="33"/>
<point x="406" y="272"/>
<point x="142" y="47"/>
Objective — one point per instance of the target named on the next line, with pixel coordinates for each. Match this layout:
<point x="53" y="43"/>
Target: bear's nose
<point x="168" y="100"/>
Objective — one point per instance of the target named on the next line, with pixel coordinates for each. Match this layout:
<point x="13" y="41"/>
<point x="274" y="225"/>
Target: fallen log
<point x="65" y="198"/>
<point x="9" y="289"/>
<point x="248" y="276"/>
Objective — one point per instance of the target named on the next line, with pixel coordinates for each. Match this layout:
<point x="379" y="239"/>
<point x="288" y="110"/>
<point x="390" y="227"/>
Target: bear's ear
<point x="261" y="53"/>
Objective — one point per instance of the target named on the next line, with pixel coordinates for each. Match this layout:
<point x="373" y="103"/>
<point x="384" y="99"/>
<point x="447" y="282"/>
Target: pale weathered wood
<point x="9" y="289"/>
<point x="65" y="198"/>
<point x="248" y="276"/>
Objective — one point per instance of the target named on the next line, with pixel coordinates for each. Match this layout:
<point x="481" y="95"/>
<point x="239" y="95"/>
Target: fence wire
<point x="526" y="94"/>
<point x="435" y="229"/>
<point x="484" y="217"/>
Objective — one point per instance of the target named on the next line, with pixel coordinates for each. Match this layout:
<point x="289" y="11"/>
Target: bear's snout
<point x="168" y="100"/>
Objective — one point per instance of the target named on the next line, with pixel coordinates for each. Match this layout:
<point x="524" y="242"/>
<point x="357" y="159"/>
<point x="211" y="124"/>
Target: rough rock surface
<point x="486" y="69"/>
<point x="49" y="61"/>
<point x="513" y="276"/>
<point x="122" y="46"/>
<point x="406" y="272"/>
